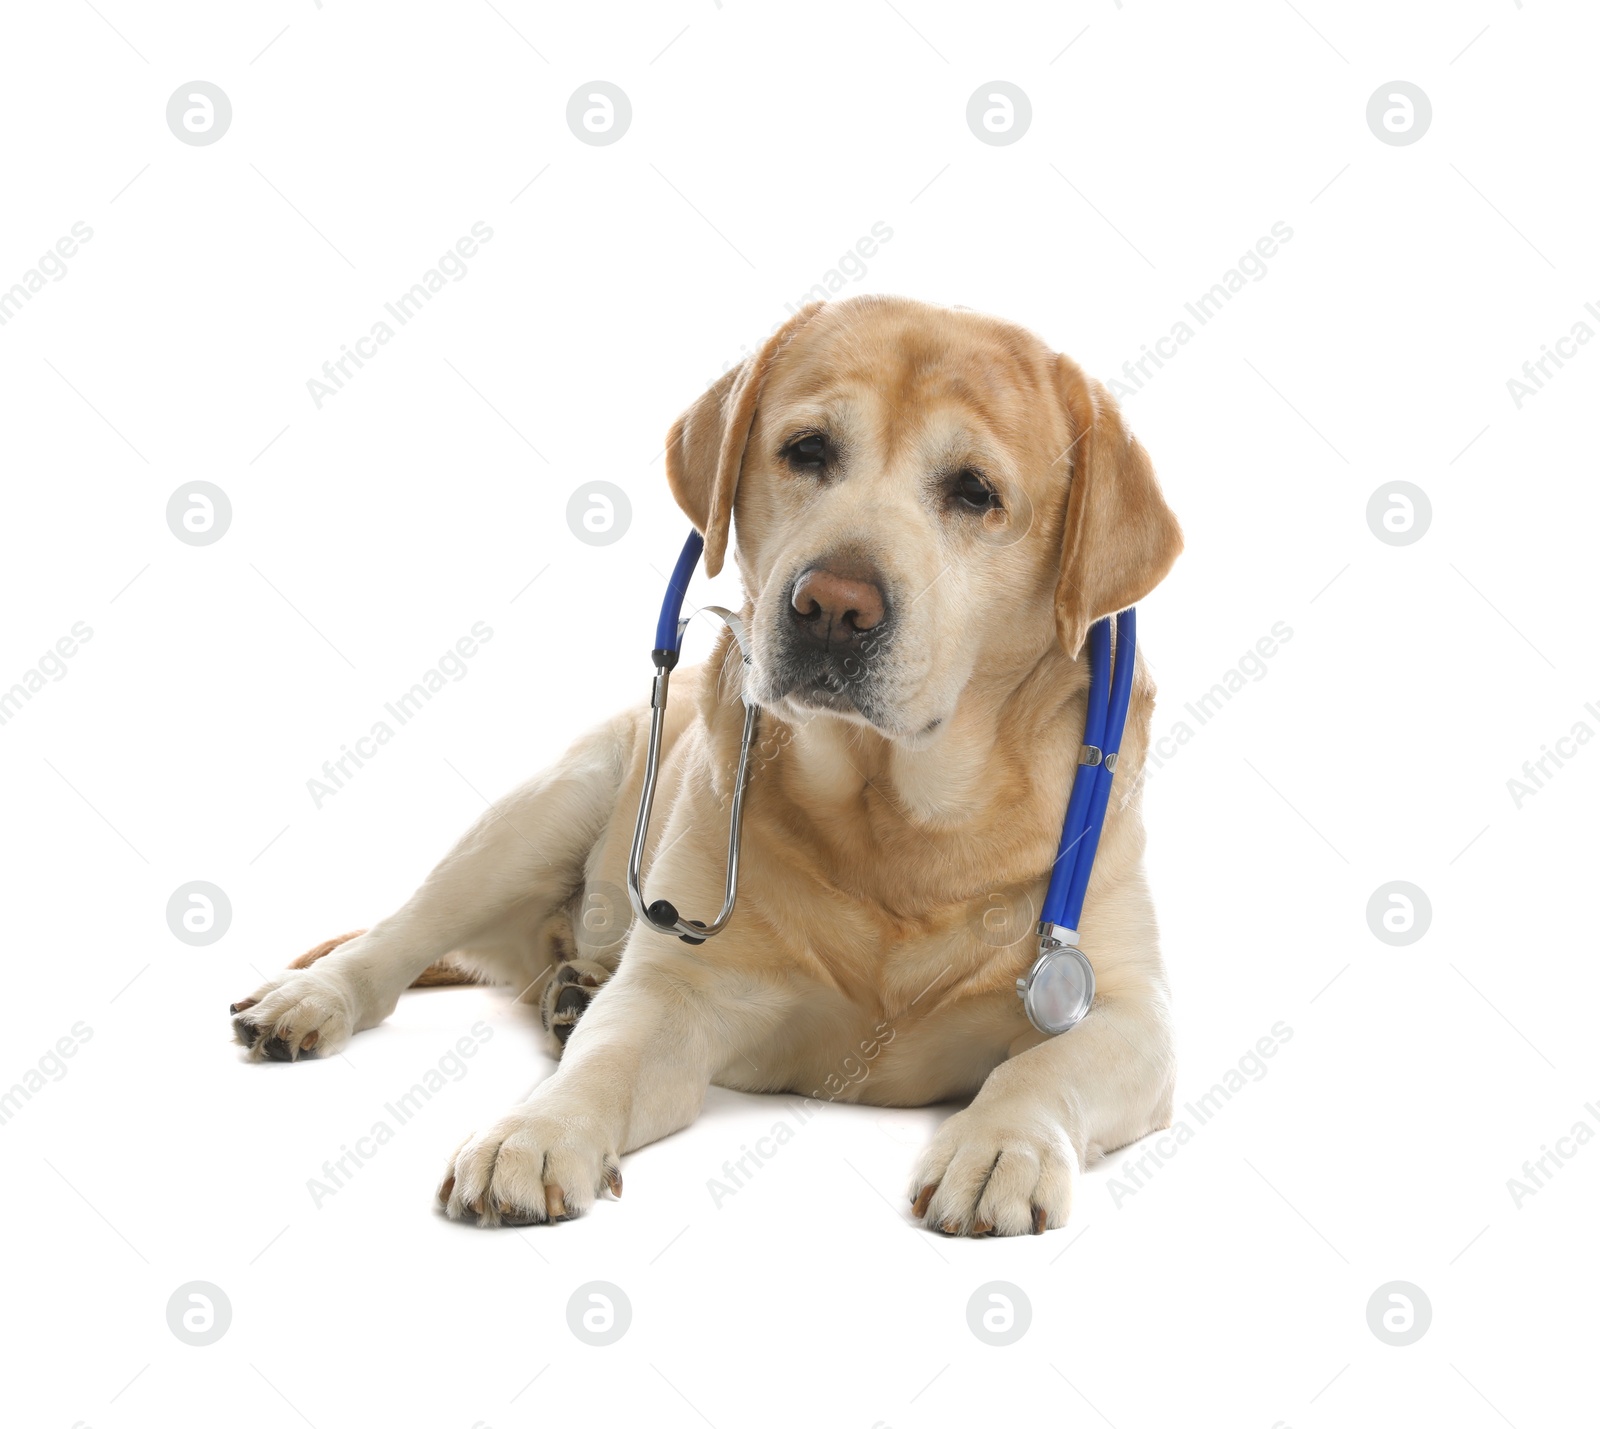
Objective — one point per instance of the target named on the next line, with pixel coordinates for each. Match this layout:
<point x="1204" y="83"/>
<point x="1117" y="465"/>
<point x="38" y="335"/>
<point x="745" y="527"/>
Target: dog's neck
<point x="955" y="776"/>
<point x="919" y="827"/>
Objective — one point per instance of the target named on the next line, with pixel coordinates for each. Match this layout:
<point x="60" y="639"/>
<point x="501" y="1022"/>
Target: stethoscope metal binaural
<point x="669" y="641"/>
<point x="1058" y="990"/>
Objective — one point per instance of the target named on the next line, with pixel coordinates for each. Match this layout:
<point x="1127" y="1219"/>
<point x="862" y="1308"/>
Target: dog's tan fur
<point x="862" y="962"/>
<point x="444" y="973"/>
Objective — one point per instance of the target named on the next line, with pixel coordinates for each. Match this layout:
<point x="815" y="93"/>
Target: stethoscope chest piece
<point x="1059" y="988"/>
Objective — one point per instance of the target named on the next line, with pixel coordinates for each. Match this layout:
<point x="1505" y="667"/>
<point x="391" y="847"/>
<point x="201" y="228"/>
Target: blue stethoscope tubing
<point x="1058" y="990"/>
<point x="1097" y="764"/>
<point x="670" y="627"/>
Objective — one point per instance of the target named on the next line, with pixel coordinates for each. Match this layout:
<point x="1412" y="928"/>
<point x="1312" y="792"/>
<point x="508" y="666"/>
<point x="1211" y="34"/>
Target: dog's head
<point x="925" y="498"/>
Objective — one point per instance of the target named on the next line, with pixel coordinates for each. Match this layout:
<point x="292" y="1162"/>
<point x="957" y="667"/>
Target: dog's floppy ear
<point x="1120" y="538"/>
<point x="705" y="447"/>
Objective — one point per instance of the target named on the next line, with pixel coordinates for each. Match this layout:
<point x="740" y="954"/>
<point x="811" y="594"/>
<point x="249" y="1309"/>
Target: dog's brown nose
<point x="834" y="606"/>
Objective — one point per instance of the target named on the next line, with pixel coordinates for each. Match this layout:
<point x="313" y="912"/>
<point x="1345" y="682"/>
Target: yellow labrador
<point x="932" y="508"/>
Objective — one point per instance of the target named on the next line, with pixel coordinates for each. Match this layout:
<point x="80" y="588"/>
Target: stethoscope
<point x="1059" y="988"/>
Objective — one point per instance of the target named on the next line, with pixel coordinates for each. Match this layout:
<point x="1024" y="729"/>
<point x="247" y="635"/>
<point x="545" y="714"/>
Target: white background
<point x="369" y="535"/>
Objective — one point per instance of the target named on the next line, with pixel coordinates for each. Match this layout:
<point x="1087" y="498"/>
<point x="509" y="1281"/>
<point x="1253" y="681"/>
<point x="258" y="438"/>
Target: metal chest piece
<point x="1059" y="988"/>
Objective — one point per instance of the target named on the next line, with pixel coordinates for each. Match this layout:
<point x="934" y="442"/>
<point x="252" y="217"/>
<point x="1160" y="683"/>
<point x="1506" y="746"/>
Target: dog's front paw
<point x="295" y="1015"/>
<point x="987" y="1173"/>
<point x="534" y="1165"/>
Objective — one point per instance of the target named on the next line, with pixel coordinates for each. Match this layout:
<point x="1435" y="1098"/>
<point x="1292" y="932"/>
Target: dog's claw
<point x="919" y="1206"/>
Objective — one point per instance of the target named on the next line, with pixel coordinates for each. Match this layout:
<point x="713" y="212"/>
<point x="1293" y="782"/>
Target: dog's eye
<point x="807" y="453"/>
<point x="973" y="492"/>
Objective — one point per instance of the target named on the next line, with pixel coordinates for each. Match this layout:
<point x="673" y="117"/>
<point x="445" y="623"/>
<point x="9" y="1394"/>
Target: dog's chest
<point x="930" y="1017"/>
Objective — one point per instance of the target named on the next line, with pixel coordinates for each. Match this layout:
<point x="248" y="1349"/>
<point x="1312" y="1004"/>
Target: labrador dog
<point x="932" y="508"/>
